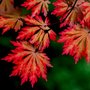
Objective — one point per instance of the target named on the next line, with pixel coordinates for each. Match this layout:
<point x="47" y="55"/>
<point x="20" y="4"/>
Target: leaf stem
<point x="68" y="13"/>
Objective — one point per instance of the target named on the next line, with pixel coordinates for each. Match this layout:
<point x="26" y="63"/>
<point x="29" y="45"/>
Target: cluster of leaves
<point x="34" y="37"/>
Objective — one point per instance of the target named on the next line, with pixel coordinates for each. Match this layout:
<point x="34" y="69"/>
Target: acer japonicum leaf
<point x="76" y="41"/>
<point x="30" y="63"/>
<point x="86" y="13"/>
<point x="37" y="6"/>
<point x="69" y="12"/>
<point x="61" y="7"/>
<point x="7" y="7"/>
<point x="10" y="17"/>
<point x="37" y="32"/>
<point x="12" y="22"/>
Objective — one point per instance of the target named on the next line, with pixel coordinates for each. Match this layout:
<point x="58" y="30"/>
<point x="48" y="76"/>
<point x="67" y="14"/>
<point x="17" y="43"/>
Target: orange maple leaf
<point x="6" y="7"/>
<point x="12" y="22"/>
<point x="10" y="17"/>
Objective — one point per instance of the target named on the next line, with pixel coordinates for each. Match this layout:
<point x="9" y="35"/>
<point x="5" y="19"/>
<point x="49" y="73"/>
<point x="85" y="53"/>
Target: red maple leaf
<point x="61" y="7"/>
<point x="37" y="6"/>
<point x="69" y="11"/>
<point x="76" y="42"/>
<point x="37" y="32"/>
<point x="85" y="7"/>
<point x="30" y="63"/>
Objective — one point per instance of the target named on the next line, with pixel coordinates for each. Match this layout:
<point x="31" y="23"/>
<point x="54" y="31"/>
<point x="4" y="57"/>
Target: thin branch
<point x="68" y="13"/>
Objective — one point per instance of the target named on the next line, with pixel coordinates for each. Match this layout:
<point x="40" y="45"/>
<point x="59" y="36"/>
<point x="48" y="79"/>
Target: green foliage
<point x="65" y="74"/>
<point x="51" y="7"/>
<point x="5" y="41"/>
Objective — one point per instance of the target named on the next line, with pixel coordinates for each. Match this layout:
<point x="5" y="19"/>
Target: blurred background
<point x="65" y="74"/>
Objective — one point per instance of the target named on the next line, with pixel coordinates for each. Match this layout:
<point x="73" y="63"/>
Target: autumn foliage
<point x="35" y="33"/>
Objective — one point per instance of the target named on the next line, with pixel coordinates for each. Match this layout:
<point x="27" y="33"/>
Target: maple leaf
<point x="7" y="7"/>
<point x="69" y="11"/>
<point x="36" y="6"/>
<point x="10" y="17"/>
<point x="85" y="7"/>
<point x="30" y="63"/>
<point x="11" y="22"/>
<point x="60" y="7"/>
<point x="76" y="41"/>
<point x="37" y="32"/>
